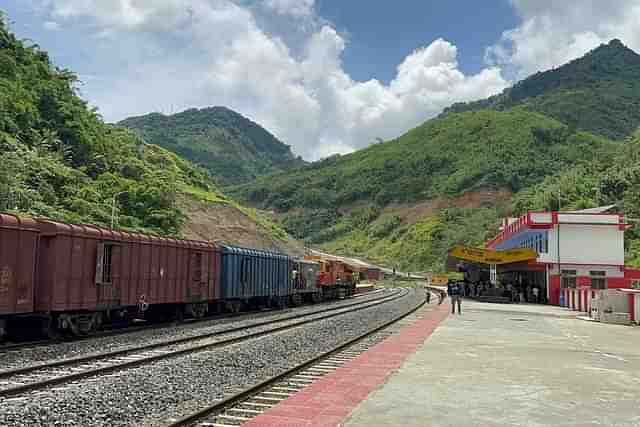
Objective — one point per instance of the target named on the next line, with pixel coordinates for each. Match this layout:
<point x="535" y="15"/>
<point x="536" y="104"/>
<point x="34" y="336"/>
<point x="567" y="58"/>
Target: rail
<point x="217" y="407"/>
<point x="106" y="362"/>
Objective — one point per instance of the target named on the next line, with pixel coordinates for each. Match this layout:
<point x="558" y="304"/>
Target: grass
<point x="209" y="196"/>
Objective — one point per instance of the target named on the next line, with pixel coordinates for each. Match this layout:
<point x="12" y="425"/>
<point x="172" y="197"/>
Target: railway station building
<point x="579" y="254"/>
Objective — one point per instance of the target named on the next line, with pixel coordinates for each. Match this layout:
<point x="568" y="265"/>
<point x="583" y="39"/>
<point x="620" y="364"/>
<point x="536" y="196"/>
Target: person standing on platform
<point x="454" y="290"/>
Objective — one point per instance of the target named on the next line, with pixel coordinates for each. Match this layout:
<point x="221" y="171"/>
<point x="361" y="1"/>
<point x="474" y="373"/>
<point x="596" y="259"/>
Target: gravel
<point x="47" y="353"/>
<point x="152" y="394"/>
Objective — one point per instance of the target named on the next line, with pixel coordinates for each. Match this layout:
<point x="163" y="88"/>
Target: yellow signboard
<point x="515" y="255"/>
<point x="487" y="256"/>
<point x="468" y="254"/>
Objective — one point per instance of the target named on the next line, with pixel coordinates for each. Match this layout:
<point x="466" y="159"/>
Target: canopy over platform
<point x="488" y="256"/>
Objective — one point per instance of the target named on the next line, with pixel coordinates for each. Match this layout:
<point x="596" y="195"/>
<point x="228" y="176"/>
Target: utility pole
<point x="113" y="207"/>
<point x="558" y="242"/>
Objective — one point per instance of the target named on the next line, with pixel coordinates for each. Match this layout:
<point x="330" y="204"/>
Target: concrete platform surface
<point x="330" y="399"/>
<point x="513" y="365"/>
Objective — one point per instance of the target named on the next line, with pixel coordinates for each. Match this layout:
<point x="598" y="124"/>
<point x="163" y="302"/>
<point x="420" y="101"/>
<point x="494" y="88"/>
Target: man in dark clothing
<point x="454" y="290"/>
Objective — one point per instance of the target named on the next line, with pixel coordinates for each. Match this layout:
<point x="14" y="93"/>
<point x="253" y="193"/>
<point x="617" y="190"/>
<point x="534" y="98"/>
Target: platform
<point x="495" y="365"/>
<point x="513" y="365"/>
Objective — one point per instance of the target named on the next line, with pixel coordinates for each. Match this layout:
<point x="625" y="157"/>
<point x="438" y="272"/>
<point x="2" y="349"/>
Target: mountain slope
<point x="353" y="204"/>
<point x="59" y="160"/>
<point x="233" y="148"/>
<point x="599" y="92"/>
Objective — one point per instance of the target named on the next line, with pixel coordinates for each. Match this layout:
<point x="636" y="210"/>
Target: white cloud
<point x="554" y="32"/>
<point x="185" y="53"/>
<point x="51" y="26"/>
<point x="295" y="8"/>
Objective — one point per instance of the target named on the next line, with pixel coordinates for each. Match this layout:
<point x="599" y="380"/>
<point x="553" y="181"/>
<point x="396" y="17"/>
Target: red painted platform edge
<point x="329" y="401"/>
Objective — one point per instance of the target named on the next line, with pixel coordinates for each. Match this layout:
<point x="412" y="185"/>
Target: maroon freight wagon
<point x="89" y="275"/>
<point x="18" y="246"/>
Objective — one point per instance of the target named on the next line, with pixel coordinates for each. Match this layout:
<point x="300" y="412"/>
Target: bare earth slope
<point x="225" y="223"/>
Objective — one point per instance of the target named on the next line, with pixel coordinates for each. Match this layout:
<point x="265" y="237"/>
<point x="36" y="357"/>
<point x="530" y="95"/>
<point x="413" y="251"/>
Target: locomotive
<point x="75" y="279"/>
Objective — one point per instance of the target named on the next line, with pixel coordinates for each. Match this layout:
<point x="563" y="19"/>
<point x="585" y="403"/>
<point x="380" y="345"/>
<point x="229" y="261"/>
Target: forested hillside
<point x="599" y="92"/>
<point x="58" y="159"/>
<point x="233" y="148"/>
<point x="350" y="203"/>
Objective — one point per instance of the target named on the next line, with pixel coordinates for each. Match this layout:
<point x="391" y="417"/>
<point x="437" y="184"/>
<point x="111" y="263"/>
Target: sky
<point x="324" y="76"/>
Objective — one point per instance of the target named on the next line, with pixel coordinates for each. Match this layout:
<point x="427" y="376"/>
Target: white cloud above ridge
<point x="295" y="8"/>
<point x="309" y="101"/>
<point x="555" y="32"/>
<point x="51" y="26"/>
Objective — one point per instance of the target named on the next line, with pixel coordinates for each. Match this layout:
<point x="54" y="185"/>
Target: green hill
<point x="60" y="160"/>
<point x="599" y="92"/>
<point x="342" y="203"/>
<point x="233" y="148"/>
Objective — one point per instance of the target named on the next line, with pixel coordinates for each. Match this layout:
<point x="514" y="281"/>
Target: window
<point x="546" y="243"/>
<point x="104" y="266"/>
<point x="569" y="279"/>
<point x="598" y="279"/>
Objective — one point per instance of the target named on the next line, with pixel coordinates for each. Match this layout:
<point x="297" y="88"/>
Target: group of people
<point x="516" y="293"/>
<point x="524" y="293"/>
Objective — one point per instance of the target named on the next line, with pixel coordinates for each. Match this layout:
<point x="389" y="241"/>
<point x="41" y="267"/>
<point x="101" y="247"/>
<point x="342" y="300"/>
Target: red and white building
<point x="579" y="254"/>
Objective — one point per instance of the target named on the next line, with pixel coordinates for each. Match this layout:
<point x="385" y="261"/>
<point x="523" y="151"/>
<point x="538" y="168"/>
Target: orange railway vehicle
<point x="336" y="278"/>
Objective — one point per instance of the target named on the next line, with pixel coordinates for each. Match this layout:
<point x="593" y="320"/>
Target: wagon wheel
<point x="178" y="314"/>
<point x="236" y="306"/>
<point x="48" y="328"/>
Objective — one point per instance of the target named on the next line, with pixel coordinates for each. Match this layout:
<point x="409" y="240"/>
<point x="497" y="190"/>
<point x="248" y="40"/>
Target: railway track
<point x="17" y="347"/>
<point x="241" y="407"/>
<point x="40" y="376"/>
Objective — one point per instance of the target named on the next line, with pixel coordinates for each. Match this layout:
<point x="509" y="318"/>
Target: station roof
<point x="598" y="210"/>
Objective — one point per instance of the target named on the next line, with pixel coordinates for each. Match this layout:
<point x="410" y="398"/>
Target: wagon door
<point x="108" y="274"/>
<point x="198" y="281"/>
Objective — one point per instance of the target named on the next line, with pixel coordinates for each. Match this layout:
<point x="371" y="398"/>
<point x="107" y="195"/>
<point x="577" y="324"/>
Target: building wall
<point x="579" y="244"/>
<point x="587" y="244"/>
<point x="583" y="243"/>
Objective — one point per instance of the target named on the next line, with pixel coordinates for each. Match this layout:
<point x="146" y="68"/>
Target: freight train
<point x="75" y="279"/>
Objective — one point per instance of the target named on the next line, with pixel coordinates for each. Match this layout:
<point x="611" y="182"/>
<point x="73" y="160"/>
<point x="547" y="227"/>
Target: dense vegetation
<point x="449" y="156"/>
<point x="60" y="160"/>
<point x="599" y="92"/>
<point x="422" y="245"/>
<point x="233" y="148"/>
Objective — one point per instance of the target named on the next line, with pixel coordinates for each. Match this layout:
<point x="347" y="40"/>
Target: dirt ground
<point x="410" y="213"/>
<point x="226" y="224"/>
